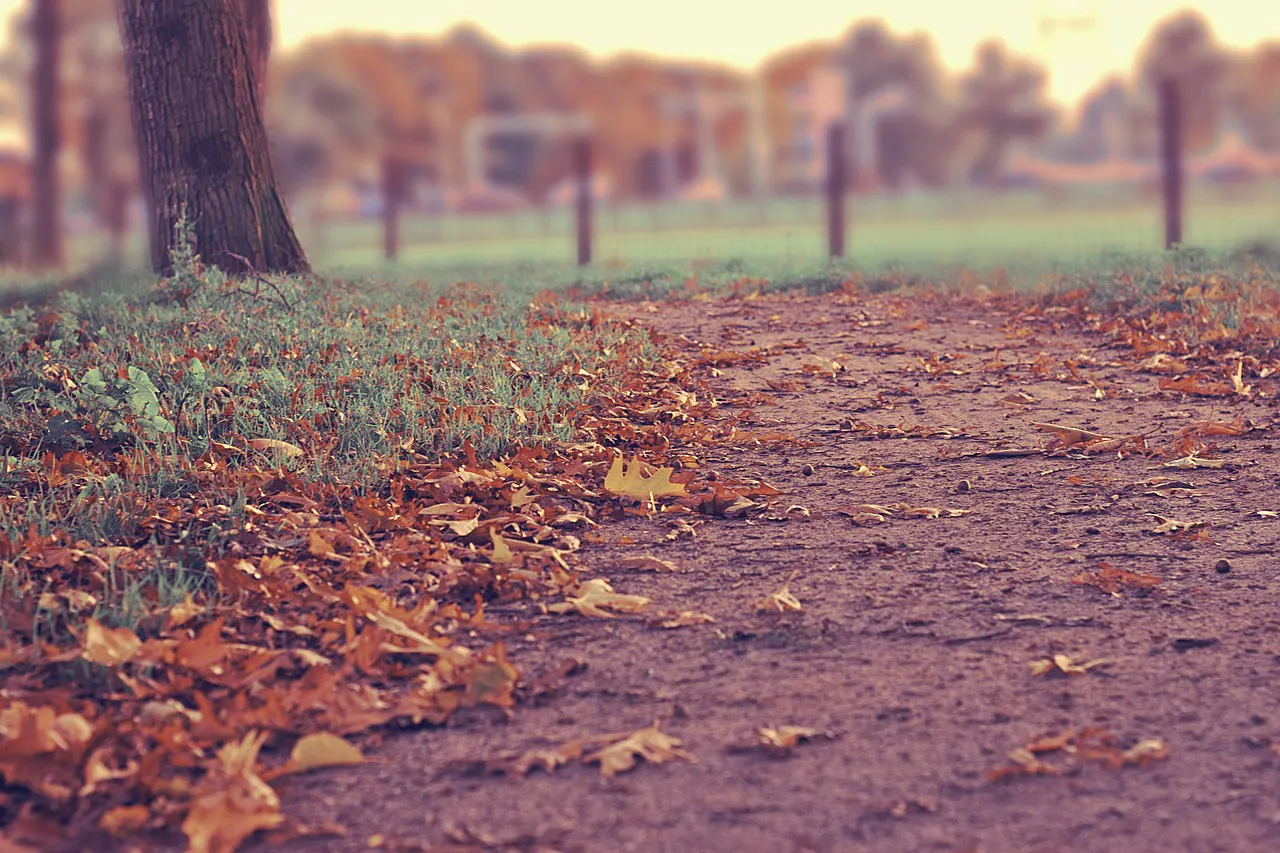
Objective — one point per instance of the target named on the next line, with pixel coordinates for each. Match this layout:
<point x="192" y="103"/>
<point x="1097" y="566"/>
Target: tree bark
<point x="46" y="195"/>
<point x="257" y="16"/>
<point x="201" y="141"/>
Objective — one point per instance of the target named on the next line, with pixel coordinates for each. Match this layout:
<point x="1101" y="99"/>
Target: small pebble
<point x="807" y="470"/>
<point x="846" y="424"/>
<point x="1222" y="567"/>
<point x="963" y="486"/>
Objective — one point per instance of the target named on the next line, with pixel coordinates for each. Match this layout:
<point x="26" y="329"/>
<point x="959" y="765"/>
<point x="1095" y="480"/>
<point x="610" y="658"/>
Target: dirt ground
<point x="916" y="634"/>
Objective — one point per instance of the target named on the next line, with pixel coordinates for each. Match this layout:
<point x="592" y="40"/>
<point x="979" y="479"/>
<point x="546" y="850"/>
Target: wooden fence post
<point x="835" y="190"/>
<point x="392" y="191"/>
<point x="582" y="176"/>
<point x="1171" y="161"/>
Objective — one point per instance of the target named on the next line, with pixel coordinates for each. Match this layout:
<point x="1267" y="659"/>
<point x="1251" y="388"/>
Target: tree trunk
<point x="257" y="16"/>
<point x="201" y="142"/>
<point x="46" y="195"/>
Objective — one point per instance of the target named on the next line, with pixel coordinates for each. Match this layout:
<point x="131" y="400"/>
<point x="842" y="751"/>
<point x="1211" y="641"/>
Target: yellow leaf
<point x="649" y="743"/>
<point x="232" y="801"/>
<point x="313" y="751"/>
<point x="318" y="545"/>
<point x="184" y="612"/>
<point x="109" y="646"/>
<point x="643" y="562"/>
<point x="681" y="620"/>
<point x="632" y="483"/>
<point x="780" y="601"/>
<point x="501" y="551"/>
<point x="595" y="595"/>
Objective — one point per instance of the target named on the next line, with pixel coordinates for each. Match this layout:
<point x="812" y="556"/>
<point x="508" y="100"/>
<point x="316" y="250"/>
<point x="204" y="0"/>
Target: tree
<point x="1183" y="48"/>
<point x="46" y="136"/>
<point x="257" y="18"/>
<point x="202" y="146"/>
<point x="1003" y="102"/>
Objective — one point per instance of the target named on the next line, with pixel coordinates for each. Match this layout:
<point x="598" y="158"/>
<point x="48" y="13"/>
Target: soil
<point x="915" y="635"/>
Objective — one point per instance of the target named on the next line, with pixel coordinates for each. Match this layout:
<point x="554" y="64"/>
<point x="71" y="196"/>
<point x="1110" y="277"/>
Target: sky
<point x="723" y="30"/>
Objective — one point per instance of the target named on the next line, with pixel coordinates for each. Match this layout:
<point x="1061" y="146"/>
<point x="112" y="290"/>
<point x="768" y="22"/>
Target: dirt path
<point x="914" y="641"/>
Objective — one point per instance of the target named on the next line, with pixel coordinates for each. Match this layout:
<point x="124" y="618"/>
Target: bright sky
<point x="724" y="30"/>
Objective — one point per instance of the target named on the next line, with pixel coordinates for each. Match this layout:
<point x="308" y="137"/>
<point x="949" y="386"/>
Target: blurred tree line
<point x="337" y="108"/>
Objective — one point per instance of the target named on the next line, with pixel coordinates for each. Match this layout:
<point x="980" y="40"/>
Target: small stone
<point x="1092" y="531"/>
<point x="963" y="486"/>
<point x="1222" y="567"/>
<point x="846" y="424"/>
<point x="807" y="470"/>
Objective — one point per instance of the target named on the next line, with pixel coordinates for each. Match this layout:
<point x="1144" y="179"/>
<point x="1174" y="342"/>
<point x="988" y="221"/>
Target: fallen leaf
<point x="1170" y="525"/>
<point x="642" y="562"/>
<point x="272" y="445"/>
<point x="109" y="646"/>
<point x="681" y="620"/>
<point x="779" y="602"/>
<point x="1060" y="664"/>
<point x="313" y="751"/>
<point x="594" y="596"/>
<point x="650" y="743"/>
<point x="632" y="484"/>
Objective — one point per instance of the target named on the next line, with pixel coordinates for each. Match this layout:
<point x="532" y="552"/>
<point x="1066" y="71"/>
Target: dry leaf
<point x="779" y="602"/>
<point x="1063" y="665"/>
<point x="1169" y="525"/>
<point x="594" y="596"/>
<point x="232" y="801"/>
<point x="650" y="743"/>
<point x="109" y="646"/>
<point x="681" y="620"/>
<point x="321" y="749"/>
<point x="632" y="484"/>
<point x="1071" y="436"/>
<point x="272" y="445"/>
<point x="642" y="562"/>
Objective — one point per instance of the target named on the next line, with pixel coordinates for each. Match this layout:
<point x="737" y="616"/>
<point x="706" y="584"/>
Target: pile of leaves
<point x="205" y="562"/>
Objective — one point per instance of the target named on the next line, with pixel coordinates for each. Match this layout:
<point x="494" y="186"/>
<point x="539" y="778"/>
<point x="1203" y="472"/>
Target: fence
<point x="838" y="222"/>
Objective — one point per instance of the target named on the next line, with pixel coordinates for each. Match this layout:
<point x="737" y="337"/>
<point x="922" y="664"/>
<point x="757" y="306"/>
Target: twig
<point x="261" y="279"/>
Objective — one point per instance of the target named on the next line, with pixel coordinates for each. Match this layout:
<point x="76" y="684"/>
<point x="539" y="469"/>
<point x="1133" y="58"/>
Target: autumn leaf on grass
<point x="650" y="743"/>
<point x="779" y="602"/>
<point x="1170" y="525"/>
<point x="780" y="740"/>
<point x="232" y="801"/>
<point x="269" y="446"/>
<point x="1114" y="581"/>
<point x="109" y="646"/>
<point x="681" y="620"/>
<point x="313" y="751"/>
<point x="632" y="483"/>
<point x="594" y="596"/>
<point x="1064" y="665"/>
